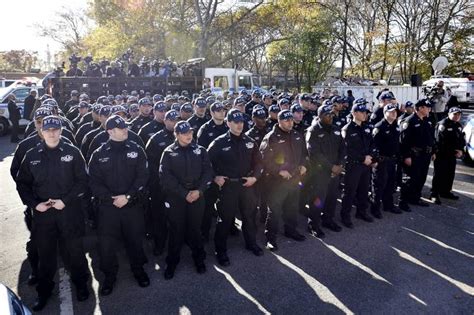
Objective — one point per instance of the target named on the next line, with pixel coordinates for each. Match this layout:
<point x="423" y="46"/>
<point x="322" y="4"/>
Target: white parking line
<point x="65" y="293"/>
<point x="320" y="289"/>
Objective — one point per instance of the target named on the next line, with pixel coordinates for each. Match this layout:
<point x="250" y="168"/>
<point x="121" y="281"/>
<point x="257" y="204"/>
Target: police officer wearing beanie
<point x="145" y="107"/>
<point x="154" y="150"/>
<point x="54" y="196"/>
<point x="417" y="149"/>
<point x="236" y="163"/>
<point x="386" y="134"/>
<point x="326" y="154"/>
<point x="157" y="124"/>
<point x="185" y="173"/>
<point x="450" y="143"/>
<point x="284" y="156"/>
<point x="118" y="175"/>
<point x="360" y="158"/>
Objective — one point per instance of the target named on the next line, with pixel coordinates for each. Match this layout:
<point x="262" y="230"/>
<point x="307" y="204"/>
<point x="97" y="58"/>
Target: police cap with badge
<point x="115" y="121"/>
<point x="183" y="127"/>
<point x="234" y="115"/>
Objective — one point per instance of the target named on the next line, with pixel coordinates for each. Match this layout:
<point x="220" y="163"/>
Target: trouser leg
<point x="290" y="208"/>
<point x="387" y="196"/>
<point x="276" y="197"/>
<point x="133" y="229"/>
<point x="194" y="214"/>
<point x="363" y="187"/>
<point x="158" y="218"/>
<point x="351" y="182"/>
<point x="227" y="207"/>
<point x="176" y="215"/>
<point x="247" y="205"/>
<point x="317" y="203"/>
<point x="210" y="197"/>
<point x="108" y="232"/>
<point x="333" y="193"/>
<point x="379" y="181"/>
<point x="46" y="236"/>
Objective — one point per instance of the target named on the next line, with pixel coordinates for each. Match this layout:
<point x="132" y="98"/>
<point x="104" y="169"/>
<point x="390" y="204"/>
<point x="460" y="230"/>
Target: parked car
<point x="10" y="303"/>
<point x="6" y="83"/>
<point x="20" y="92"/>
<point x="469" y="136"/>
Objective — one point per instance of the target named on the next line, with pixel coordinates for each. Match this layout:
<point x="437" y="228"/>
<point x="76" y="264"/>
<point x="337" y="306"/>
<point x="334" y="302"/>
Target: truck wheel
<point x="4" y="125"/>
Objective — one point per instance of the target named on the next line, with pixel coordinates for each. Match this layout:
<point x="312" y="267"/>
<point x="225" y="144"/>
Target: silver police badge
<point x="249" y="145"/>
<point x="197" y="151"/>
<point x="66" y="158"/>
<point x="132" y="155"/>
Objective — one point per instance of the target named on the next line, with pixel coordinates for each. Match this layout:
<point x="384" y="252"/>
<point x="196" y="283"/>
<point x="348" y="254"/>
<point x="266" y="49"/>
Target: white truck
<point x="462" y="88"/>
<point x="222" y="79"/>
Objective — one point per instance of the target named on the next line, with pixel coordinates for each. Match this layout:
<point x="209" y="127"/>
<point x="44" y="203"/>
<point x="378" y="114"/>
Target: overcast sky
<point x="18" y="17"/>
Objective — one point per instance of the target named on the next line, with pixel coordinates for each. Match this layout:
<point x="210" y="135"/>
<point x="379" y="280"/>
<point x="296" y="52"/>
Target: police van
<point x="20" y="92"/>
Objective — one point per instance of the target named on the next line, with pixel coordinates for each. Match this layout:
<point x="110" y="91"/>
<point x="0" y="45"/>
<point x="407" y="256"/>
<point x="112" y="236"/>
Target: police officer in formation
<point x="154" y="150"/>
<point x="360" y="158"/>
<point x="450" y="143"/>
<point x="191" y="171"/>
<point x="118" y="177"/>
<point x="51" y="180"/>
<point x="236" y="164"/>
<point x="199" y="117"/>
<point x="206" y="134"/>
<point x="386" y="134"/>
<point x="417" y="149"/>
<point x="284" y="156"/>
<point x="326" y="155"/>
<point x="157" y="124"/>
<point x="185" y="174"/>
<point x="145" y="107"/>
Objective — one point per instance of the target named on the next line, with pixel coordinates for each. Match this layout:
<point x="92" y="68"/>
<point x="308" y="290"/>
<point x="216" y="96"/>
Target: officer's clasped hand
<point x="57" y="204"/>
<point x="285" y="174"/>
<point x="192" y="196"/>
<point x="220" y="180"/>
<point x="120" y="201"/>
<point x="248" y="181"/>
